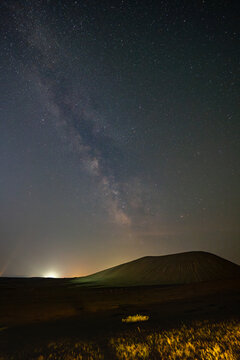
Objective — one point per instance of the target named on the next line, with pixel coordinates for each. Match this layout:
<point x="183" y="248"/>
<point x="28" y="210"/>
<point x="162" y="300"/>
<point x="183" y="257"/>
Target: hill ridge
<point x="179" y="268"/>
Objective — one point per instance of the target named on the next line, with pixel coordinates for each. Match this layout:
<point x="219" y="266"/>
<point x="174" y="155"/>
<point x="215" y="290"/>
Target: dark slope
<point x="183" y="268"/>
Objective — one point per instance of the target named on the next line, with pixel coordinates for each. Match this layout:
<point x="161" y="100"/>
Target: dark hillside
<point x="183" y="268"/>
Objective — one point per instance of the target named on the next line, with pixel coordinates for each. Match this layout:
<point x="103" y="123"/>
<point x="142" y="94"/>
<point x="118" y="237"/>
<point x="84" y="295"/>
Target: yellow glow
<point x="51" y="274"/>
<point x="135" y="318"/>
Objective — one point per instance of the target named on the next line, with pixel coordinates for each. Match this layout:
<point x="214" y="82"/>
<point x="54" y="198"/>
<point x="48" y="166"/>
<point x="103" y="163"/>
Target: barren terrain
<point x="37" y="312"/>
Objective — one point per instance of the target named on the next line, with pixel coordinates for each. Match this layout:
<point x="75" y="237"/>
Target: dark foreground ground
<point x="55" y="319"/>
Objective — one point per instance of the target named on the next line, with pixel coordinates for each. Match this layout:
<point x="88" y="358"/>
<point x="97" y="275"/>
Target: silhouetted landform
<point x="182" y="268"/>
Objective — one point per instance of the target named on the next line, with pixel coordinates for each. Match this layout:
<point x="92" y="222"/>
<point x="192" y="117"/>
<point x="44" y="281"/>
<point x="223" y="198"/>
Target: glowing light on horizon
<point x="52" y="275"/>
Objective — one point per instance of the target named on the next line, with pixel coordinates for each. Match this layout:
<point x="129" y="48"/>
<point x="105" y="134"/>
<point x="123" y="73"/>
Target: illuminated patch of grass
<point x="202" y="340"/>
<point x="130" y="350"/>
<point x="135" y="318"/>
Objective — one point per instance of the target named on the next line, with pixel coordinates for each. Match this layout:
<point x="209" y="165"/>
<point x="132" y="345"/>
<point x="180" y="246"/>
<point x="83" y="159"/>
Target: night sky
<point x="119" y="132"/>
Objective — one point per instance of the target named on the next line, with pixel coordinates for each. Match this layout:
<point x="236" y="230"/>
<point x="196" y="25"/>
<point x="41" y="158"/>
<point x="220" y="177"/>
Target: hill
<point x="182" y="268"/>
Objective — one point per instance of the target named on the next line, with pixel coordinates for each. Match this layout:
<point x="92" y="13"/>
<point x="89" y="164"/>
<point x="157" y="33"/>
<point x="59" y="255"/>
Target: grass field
<point x="199" y="340"/>
<point x="43" y="319"/>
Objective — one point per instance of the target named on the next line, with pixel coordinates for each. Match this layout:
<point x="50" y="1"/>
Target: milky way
<point x="78" y="124"/>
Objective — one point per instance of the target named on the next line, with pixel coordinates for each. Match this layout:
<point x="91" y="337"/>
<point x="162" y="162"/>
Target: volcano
<point x="181" y="268"/>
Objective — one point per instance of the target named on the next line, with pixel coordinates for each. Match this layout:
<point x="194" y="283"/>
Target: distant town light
<point x="52" y="275"/>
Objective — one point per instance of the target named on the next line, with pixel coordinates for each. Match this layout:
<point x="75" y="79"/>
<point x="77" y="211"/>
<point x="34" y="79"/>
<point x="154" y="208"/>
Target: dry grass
<point x="135" y="318"/>
<point x="201" y="340"/>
